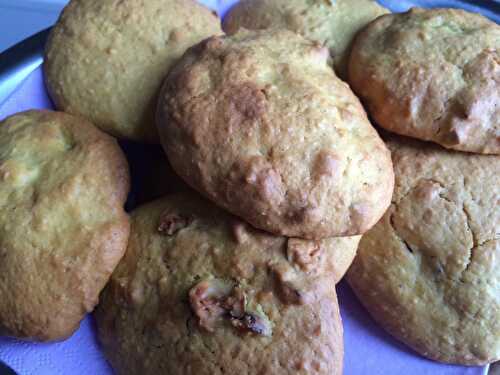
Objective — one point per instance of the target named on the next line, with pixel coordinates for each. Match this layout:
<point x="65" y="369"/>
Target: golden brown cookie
<point x="335" y="255"/>
<point x="260" y="124"/>
<point x="333" y="23"/>
<point x="200" y="292"/>
<point x="432" y="75"/>
<point x="63" y="229"/>
<point x="429" y="271"/>
<point x="154" y="178"/>
<point x="342" y="251"/>
<point x="105" y="59"/>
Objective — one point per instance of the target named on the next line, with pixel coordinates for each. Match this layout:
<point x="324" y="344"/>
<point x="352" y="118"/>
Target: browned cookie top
<point x="333" y="23"/>
<point x="432" y="75"/>
<point x="260" y="124"/>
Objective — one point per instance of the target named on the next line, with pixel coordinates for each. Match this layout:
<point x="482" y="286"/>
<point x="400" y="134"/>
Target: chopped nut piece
<point x="172" y="223"/>
<point x="304" y="253"/>
<point x="213" y="300"/>
<point x="290" y="295"/>
<point x="206" y="300"/>
<point x="239" y="232"/>
<point x="287" y="292"/>
<point x="235" y="303"/>
<point x="252" y="323"/>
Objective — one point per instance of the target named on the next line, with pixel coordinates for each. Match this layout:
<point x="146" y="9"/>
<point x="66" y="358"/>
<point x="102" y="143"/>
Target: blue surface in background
<point x="21" y="18"/>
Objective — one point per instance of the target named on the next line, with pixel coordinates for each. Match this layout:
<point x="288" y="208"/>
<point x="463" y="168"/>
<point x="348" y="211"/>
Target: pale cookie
<point x="333" y="23"/>
<point x="432" y="75"/>
<point x="63" y="229"/>
<point x="429" y="271"/>
<point x="105" y="59"/>
<point x="259" y="123"/>
<point x="200" y="292"/>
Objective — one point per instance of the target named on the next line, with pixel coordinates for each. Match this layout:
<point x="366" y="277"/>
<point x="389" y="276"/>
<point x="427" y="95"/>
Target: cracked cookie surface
<point x="259" y="123"/>
<point x="432" y="75"/>
<point x="333" y="23"/>
<point x="105" y="59"/>
<point x="429" y="271"/>
<point x="214" y="296"/>
<point x="63" y="229"/>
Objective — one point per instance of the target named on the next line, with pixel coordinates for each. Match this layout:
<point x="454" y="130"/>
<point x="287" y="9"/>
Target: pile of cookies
<point x="274" y="173"/>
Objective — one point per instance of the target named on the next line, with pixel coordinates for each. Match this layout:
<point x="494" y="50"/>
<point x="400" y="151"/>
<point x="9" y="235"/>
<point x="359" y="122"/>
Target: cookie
<point x="155" y="178"/>
<point x="428" y="272"/>
<point x="432" y="75"/>
<point x="200" y="292"/>
<point x="63" y="229"/>
<point x="333" y="23"/>
<point x="341" y="250"/>
<point x="260" y="124"/>
<point x="105" y="59"/>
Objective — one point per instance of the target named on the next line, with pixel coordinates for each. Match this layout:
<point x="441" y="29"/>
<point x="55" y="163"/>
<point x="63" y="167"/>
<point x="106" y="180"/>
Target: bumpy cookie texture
<point x="333" y="23"/>
<point x="105" y="59"/>
<point x="432" y="75"/>
<point x="259" y="123"/>
<point x="429" y="271"/>
<point x="63" y="229"/>
<point x="200" y="292"/>
<point x="338" y="252"/>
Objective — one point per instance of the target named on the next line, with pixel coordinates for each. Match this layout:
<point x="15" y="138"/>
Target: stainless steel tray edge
<point x="17" y="62"/>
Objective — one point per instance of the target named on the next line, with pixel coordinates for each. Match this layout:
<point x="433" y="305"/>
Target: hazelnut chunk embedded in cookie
<point x="288" y="292"/>
<point x="303" y="253"/>
<point x="215" y="300"/>
<point x="206" y="299"/>
<point x="290" y="295"/>
<point x="171" y="223"/>
<point x="252" y="323"/>
<point x="239" y="231"/>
